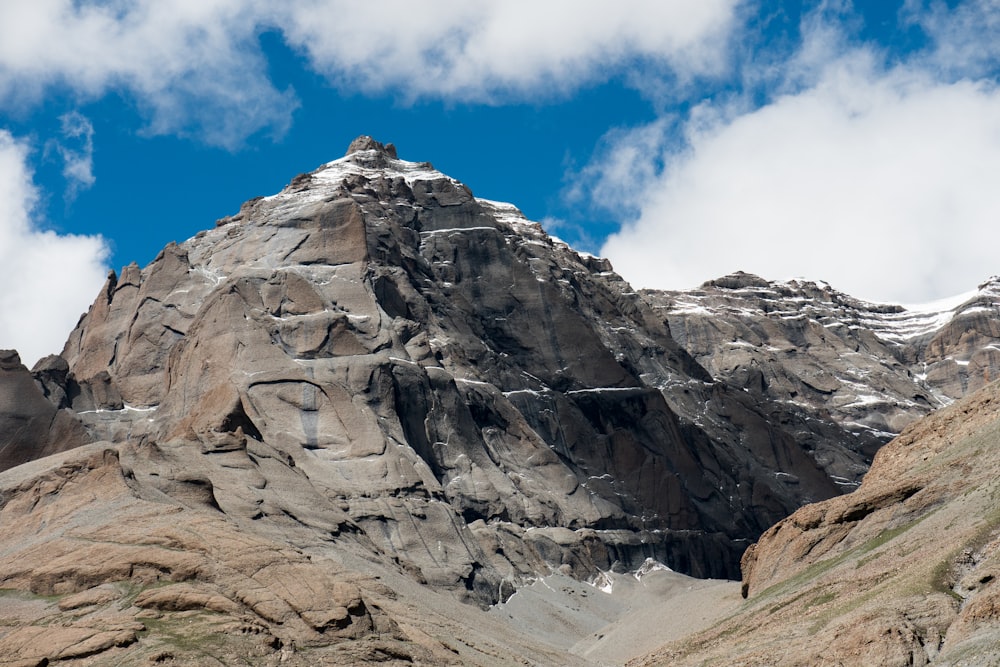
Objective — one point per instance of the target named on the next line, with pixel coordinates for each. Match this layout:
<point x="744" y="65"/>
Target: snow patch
<point x="603" y="582"/>
<point x="650" y="565"/>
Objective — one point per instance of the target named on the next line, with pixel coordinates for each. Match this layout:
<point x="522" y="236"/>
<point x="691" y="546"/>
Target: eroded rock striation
<point x="871" y="368"/>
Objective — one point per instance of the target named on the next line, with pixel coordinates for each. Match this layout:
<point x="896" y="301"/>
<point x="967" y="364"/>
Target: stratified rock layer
<point x="871" y="368"/>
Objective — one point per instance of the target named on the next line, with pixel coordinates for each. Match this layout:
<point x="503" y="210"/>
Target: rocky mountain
<point x="871" y="368"/>
<point x="902" y="571"/>
<point x="309" y="434"/>
<point x="359" y="399"/>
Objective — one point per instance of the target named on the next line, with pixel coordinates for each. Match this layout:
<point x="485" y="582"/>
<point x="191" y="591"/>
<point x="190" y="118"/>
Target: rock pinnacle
<point x="366" y="143"/>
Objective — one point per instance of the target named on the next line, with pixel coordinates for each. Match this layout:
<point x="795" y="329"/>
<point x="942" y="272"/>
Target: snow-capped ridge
<point x="892" y="322"/>
<point x="874" y="367"/>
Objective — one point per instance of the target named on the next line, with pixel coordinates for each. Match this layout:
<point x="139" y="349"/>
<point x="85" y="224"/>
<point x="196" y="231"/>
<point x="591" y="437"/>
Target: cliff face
<point x="416" y="352"/>
<point x="34" y="423"/>
<point x="901" y="572"/>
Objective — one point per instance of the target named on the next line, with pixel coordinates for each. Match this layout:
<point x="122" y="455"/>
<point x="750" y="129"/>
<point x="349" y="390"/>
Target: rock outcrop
<point x="901" y="572"/>
<point x="31" y="425"/>
<point x="871" y="368"/>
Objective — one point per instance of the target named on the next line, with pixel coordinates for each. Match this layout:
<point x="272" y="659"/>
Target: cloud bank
<point x="197" y="68"/>
<point x="493" y="51"/>
<point x="878" y="180"/>
<point x="49" y="279"/>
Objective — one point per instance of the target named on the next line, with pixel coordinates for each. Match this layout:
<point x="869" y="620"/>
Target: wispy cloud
<point x="49" y="279"/>
<point x="964" y="37"/>
<point x="76" y="150"/>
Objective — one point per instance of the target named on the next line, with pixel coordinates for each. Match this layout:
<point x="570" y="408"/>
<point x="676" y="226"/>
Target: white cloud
<point x="964" y="36"/>
<point x="630" y="159"/>
<point x="880" y="185"/>
<point x="49" y="279"/>
<point x="196" y="66"/>
<point x="76" y="149"/>
<point x="878" y="180"/>
<point x="482" y="50"/>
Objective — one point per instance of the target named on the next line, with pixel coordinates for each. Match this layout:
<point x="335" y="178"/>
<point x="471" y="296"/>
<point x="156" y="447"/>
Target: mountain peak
<point x="367" y="143"/>
<point x="737" y="280"/>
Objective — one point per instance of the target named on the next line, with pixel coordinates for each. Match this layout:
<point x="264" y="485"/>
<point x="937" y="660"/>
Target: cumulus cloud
<point x="877" y="180"/>
<point x="49" y="279"/>
<point x="194" y="67"/>
<point x="485" y="50"/>
<point x="198" y="68"/>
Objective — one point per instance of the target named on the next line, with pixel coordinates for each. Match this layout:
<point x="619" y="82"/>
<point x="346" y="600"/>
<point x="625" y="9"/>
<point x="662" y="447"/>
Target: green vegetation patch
<point x="194" y="633"/>
<point x="817" y="569"/>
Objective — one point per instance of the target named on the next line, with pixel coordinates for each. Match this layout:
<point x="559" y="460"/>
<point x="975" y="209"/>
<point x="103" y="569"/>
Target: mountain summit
<point x="416" y="352"/>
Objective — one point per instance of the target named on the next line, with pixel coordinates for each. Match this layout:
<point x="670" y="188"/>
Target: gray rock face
<point x="870" y="368"/>
<point x="366" y="143"/>
<point x="374" y="355"/>
<point x="30" y="425"/>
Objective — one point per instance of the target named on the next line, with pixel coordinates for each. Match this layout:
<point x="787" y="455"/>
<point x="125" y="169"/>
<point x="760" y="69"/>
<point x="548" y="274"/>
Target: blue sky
<point x="856" y="143"/>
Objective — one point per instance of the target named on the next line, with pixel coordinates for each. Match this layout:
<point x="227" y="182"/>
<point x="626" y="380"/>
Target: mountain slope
<point x="901" y="572"/>
<point x="871" y="368"/>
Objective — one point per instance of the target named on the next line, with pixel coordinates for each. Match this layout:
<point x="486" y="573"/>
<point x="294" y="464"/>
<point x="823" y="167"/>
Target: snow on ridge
<point x="336" y="170"/>
<point x="924" y="318"/>
<point x="603" y="582"/>
<point x="949" y="303"/>
<point x="894" y="323"/>
<point x="504" y="207"/>
<point x="650" y="565"/>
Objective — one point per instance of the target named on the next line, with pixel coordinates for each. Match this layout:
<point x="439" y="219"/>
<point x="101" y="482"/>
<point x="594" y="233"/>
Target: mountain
<point x="902" y="571"/>
<point x="357" y="401"/>
<point x="871" y="368"/>
<point x="372" y="419"/>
